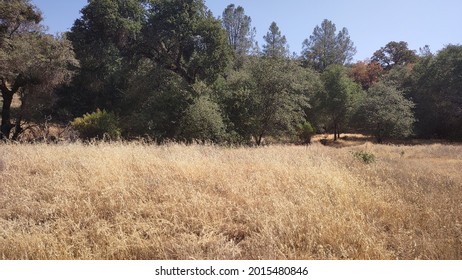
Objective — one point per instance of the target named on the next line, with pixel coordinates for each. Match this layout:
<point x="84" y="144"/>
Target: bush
<point x="99" y="124"/>
<point x="305" y="132"/>
<point x="365" y="157"/>
<point x="203" y="121"/>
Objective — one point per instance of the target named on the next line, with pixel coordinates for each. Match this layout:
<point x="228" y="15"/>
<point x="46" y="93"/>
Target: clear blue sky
<point x="371" y="23"/>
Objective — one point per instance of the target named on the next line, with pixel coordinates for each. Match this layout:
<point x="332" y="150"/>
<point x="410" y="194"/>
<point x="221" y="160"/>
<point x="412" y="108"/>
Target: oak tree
<point x="387" y="113"/>
<point x="32" y="63"/>
<point x="394" y="54"/>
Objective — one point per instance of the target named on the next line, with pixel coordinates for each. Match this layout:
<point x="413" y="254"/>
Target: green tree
<point x="386" y="113"/>
<point x="437" y="91"/>
<point x="184" y="37"/>
<point x="275" y="43"/>
<point x="140" y="58"/>
<point x="326" y="47"/>
<point x="305" y="132"/>
<point x="240" y="34"/>
<point x="268" y="97"/>
<point x="340" y="98"/>
<point x="105" y="39"/>
<point x="203" y="121"/>
<point x="394" y="54"/>
<point x="156" y="101"/>
<point x="32" y="63"/>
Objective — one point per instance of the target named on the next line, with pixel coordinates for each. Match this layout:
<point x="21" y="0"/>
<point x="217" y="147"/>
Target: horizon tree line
<point x="171" y="70"/>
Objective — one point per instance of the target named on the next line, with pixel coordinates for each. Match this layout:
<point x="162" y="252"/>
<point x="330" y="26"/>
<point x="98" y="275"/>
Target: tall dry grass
<point x="133" y="201"/>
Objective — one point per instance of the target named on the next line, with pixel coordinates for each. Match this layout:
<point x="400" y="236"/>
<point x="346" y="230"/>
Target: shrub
<point x="99" y="124"/>
<point x="305" y="132"/>
<point x="365" y="157"/>
<point x="203" y="121"/>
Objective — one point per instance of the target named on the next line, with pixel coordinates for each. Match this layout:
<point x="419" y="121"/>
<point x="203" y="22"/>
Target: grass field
<point x="134" y="201"/>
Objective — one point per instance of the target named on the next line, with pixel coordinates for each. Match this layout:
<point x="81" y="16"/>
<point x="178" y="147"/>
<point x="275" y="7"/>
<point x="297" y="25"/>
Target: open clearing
<point x="134" y="201"/>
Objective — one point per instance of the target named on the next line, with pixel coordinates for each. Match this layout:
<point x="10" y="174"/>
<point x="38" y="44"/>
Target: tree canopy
<point x="339" y="99"/>
<point x="184" y="37"/>
<point x="387" y="113"/>
<point x="170" y="70"/>
<point x="437" y="91"/>
<point x="394" y="54"/>
<point x="32" y="62"/>
<point x="327" y="47"/>
<point x="238" y="27"/>
<point x="275" y="43"/>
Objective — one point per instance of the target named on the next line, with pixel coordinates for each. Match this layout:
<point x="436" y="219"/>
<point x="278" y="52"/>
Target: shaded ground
<point x="351" y="140"/>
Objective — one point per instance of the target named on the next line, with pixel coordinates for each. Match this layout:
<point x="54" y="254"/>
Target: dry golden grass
<point x="133" y="201"/>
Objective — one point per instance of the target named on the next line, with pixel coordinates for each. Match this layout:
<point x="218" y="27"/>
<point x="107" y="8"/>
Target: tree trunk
<point x="5" y="127"/>
<point x="17" y="128"/>
<point x="379" y="134"/>
<point x="258" y="139"/>
<point x="335" y="132"/>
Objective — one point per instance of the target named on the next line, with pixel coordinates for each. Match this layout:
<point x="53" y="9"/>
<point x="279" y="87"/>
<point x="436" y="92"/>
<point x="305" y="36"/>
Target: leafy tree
<point x="400" y="76"/>
<point x="184" y="37"/>
<point x="437" y="91"/>
<point x="366" y="73"/>
<point x="387" y="113"/>
<point x="105" y="40"/>
<point x="203" y="121"/>
<point x="326" y="47"/>
<point x="340" y="98"/>
<point x="276" y="43"/>
<point x="32" y="63"/>
<point x="156" y="102"/>
<point x="305" y="132"/>
<point x="268" y="98"/>
<point x="238" y="27"/>
<point x="140" y="58"/>
<point x="394" y="54"/>
<point x="18" y="17"/>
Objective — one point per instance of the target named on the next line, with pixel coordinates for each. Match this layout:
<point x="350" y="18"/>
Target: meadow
<point x="139" y="201"/>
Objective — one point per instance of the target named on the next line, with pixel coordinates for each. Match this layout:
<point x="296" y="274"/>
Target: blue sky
<point x="371" y="23"/>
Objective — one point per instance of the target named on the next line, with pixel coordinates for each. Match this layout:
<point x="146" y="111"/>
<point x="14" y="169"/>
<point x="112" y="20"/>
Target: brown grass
<point x="133" y="201"/>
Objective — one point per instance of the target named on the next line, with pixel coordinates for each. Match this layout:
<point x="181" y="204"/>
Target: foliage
<point x="32" y="63"/>
<point x="387" y="113"/>
<point x="437" y="91"/>
<point x="275" y="43"/>
<point x="240" y="35"/>
<point x="365" y="157"/>
<point x="156" y="63"/>
<point x="156" y="102"/>
<point x="394" y="54"/>
<point x="105" y="39"/>
<point x="305" y="132"/>
<point x="99" y="124"/>
<point x="203" y="121"/>
<point x="325" y="47"/>
<point x="366" y="73"/>
<point x="268" y="98"/>
<point x="340" y="99"/>
<point x="140" y="58"/>
<point x="184" y="37"/>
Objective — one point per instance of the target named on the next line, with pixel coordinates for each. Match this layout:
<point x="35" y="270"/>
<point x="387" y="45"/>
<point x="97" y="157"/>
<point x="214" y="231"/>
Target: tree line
<point x="170" y="70"/>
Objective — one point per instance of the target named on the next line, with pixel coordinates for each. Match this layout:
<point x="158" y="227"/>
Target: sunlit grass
<point x="134" y="201"/>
